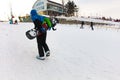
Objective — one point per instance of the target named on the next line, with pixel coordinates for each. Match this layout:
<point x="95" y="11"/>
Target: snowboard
<point x="31" y="34"/>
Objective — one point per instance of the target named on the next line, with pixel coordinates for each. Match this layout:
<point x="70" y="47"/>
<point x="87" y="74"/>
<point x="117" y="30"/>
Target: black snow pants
<point x="42" y="45"/>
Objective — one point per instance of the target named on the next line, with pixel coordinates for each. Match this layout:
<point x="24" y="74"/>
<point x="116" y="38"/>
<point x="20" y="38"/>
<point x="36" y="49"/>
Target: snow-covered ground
<point x="76" y="54"/>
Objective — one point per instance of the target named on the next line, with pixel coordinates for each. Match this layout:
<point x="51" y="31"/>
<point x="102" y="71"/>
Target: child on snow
<point x="42" y="24"/>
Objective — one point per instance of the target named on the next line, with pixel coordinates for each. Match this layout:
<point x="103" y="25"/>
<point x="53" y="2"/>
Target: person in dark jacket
<point x="82" y="23"/>
<point x="91" y="25"/>
<point x="41" y="23"/>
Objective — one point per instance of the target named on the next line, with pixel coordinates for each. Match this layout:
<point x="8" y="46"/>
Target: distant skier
<point x="82" y="23"/>
<point x="11" y="21"/>
<point x="16" y="22"/>
<point x="91" y="25"/>
<point x="41" y="24"/>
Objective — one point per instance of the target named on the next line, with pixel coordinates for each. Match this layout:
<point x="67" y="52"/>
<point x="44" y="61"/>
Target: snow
<point x="76" y="54"/>
<point x="89" y="20"/>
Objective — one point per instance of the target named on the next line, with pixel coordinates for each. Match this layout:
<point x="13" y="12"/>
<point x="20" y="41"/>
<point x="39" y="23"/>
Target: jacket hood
<point x="35" y="15"/>
<point x="33" y="12"/>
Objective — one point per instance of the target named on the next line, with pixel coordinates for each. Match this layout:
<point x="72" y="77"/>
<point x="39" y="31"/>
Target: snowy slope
<point x="76" y="54"/>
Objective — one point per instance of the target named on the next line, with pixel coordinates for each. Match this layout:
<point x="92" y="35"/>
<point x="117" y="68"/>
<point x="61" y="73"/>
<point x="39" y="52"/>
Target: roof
<point x="54" y="2"/>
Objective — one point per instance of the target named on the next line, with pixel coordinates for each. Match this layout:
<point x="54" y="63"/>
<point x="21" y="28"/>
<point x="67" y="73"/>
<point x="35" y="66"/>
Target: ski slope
<point x="76" y="54"/>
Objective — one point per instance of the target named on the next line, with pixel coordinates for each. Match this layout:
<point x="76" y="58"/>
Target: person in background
<point x="82" y="23"/>
<point x="16" y="22"/>
<point x="91" y="25"/>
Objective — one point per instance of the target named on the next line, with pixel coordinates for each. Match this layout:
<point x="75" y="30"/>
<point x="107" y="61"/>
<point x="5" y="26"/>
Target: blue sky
<point x="108" y="8"/>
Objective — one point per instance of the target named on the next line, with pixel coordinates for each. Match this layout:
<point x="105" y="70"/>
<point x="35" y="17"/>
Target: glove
<point x="42" y="29"/>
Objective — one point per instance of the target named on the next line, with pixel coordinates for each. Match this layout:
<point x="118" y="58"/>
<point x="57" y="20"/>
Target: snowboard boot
<point x="40" y="58"/>
<point x="47" y="53"/>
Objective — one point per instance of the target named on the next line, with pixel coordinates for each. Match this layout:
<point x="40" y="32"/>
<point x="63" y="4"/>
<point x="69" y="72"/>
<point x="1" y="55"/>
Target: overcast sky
<point x="108" y="8"/>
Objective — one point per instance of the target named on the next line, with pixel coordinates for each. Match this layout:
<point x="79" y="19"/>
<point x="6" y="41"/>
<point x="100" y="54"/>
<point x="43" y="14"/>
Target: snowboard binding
<point x="31" y="34"/>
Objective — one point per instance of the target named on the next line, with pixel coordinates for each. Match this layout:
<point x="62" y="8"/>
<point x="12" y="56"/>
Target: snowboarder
<point x="11" y="21"/>
<point x="91" y="25"/>
<point x="82" y="23"/>
<point x="16" y="22"/>
<point x="41" y="23"/>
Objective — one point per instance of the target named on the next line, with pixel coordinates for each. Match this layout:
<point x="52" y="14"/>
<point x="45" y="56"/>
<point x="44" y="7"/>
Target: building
<point x="47" y="7"/>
